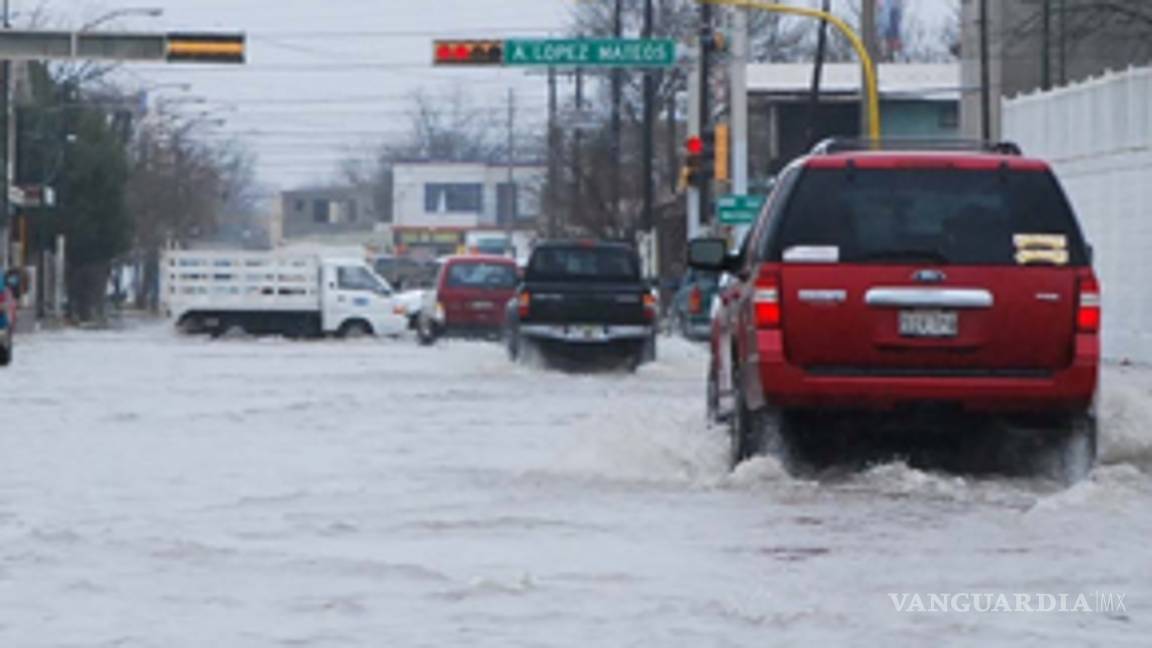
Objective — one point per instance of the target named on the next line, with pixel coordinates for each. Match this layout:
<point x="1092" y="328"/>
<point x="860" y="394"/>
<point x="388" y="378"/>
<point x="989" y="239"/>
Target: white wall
<point x="1098" y="136"/>
<point x="410" y="179"/>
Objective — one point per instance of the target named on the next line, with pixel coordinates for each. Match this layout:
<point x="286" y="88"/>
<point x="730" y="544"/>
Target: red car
<point x="887" y="288"/>
<point x="469" y="298"/>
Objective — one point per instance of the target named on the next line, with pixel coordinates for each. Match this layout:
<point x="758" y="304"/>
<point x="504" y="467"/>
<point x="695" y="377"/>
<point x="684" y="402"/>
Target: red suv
<point x="469" y="298"/>
<point x="880" y="282"/>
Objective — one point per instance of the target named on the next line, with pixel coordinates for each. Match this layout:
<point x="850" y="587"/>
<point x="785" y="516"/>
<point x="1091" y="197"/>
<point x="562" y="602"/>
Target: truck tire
<point x="426" y="331"/>
<point x="5" y="356"/>
<point x="355" y="329"/>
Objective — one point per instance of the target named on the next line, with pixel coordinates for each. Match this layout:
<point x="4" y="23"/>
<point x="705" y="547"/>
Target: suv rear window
<point x="481" y="275"/>
<point x="947" y="216"/>
<point x="583" y="263"/>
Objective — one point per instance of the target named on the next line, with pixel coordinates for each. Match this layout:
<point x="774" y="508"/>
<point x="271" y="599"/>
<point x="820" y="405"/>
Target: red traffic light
<point x="485" y="52"/>
<point x="694" y="145"/>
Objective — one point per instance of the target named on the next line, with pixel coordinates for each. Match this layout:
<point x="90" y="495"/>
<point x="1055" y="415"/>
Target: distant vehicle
<point x="469" y="299"/>
<point x="953" y="284"/>
<point x="271" y="293"/>
<point x="690" y="313"/>
<point x="489" y="243"/>
<point x="583" y="301"/>
<point x="9" y="293"/>
<point x="405" y="273"/>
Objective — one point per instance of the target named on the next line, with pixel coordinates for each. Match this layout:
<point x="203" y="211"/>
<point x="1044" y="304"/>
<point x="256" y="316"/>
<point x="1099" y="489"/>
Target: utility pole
<point x="6" y="140"/>
<point x="510" y="217"/>
<point x="869" y="35"/>
<point x="1046" y="45"/>
<point x="695" y="215"/>
<point x="985" y="75"/>
<point x="577" y="215"/>
<point x="553" y="151"/>
<point x="818" y="75"/>
<point x="705" y="197"/>
<point x="648" y="221"/>
<point x="739" y="102"/>
<point x="617" y="126"/>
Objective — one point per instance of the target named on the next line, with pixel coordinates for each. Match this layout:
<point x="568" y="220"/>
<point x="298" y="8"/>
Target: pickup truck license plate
<point x="929" y="324"/>
<point x="483" y="306"/>
<point x="588" y="333"/>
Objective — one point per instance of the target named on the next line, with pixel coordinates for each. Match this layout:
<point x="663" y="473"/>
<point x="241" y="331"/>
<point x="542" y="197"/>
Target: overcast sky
<point x="326" y="79"/>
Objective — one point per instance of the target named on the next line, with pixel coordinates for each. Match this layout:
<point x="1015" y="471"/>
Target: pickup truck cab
<point x="278" y="293"/>
<point x="583" y="301"/>
<point x="899" y="282"/>
<point x="469" y="298"/>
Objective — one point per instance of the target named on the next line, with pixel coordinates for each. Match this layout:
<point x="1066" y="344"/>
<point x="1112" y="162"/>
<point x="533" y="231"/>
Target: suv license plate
<point x="929" y="324"/>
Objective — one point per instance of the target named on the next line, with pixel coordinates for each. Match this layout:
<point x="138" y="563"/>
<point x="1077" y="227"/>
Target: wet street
<point x="166" y="491"/>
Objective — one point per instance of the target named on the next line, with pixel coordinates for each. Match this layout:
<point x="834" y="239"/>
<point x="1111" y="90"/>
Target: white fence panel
<point x="1098" y="137"/>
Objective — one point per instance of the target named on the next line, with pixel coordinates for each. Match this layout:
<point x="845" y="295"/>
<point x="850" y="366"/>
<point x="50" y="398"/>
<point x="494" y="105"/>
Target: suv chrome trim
<point x="930" y="297"/>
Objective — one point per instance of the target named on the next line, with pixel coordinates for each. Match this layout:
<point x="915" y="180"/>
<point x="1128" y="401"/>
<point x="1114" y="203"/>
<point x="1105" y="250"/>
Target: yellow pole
<point x="870" y="82"/>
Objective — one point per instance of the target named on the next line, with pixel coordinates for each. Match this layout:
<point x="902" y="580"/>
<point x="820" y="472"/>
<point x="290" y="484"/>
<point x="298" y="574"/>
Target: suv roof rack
<point x="845" y="145"/>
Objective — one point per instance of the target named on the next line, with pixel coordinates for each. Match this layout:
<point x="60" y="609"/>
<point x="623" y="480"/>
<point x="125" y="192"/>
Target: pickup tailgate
<point x="575" y="303"/>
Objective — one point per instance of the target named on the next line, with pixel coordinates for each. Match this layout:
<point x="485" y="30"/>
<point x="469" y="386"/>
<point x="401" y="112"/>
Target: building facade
<point x="336" y="211"/>
<point x="436" y="204"/>
<point x="916" y="100"/>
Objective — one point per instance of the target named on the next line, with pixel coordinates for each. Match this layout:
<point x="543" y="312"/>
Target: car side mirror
<point x="708" y="254"/>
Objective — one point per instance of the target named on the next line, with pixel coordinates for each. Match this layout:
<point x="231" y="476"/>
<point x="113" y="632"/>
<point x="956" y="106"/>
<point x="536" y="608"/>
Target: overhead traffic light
<point x="468" y="52"/>
<point x="206" y="48"/>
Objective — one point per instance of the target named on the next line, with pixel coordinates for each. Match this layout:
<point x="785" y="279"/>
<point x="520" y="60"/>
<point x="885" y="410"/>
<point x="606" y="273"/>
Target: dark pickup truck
<point x="583" y="302"/>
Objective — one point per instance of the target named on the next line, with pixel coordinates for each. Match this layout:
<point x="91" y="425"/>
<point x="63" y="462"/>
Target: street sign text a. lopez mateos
<point x="591" y="52"/>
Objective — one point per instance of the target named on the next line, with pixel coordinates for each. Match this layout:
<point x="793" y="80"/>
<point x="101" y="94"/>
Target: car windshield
<point x="929" y="216"/>
<point x="481" y="275"/>
<point x="586" y="263"/>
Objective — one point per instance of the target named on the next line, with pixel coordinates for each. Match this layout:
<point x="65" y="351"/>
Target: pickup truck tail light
<point x="695" y="301"/>
<point x="1088" y="307"/>
<point x="524" y="303"/>
<point x="766" y="300"/>
<point x="650" y="306"/>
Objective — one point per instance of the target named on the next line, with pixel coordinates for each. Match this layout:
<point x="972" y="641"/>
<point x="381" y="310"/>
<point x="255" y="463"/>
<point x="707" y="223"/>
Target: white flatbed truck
<point x="277" y="293"/>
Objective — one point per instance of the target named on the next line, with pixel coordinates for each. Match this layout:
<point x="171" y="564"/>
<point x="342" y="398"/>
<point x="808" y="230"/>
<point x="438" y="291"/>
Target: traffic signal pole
<point x="694" y="121"/>
<point x="705" y="106"/>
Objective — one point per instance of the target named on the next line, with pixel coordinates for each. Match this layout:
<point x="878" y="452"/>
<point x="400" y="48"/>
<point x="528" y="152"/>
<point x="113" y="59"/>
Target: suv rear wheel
<point x="1072" y="453"/>
<point x="757" y="432"/>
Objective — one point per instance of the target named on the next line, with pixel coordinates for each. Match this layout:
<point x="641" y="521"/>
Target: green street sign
<point x="739" y="210"/>
<point x="590" y="52"/>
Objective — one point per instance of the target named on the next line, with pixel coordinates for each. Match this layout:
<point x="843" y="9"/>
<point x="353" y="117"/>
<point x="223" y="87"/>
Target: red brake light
<point x="650" y="306"/>
<point x="524" y="303"/>
<point x="695" y="301"/>
<point x="766" y="299"/>
<point x="1088" y="313"/>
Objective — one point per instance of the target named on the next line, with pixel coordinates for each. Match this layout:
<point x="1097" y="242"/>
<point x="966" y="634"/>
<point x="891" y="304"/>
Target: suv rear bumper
<point x="786" y="385"/>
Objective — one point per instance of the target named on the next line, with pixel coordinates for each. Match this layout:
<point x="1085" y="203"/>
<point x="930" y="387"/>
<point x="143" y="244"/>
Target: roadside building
<point x="439" y="207"/>
<point x="916" y="100"/>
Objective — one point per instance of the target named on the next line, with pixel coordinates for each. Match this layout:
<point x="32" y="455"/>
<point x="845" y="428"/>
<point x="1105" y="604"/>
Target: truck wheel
<point x="355" y="330"/>
<point x="712" y="397"/>
<point x="426" y="331"/>
<point x="5" y="356"/>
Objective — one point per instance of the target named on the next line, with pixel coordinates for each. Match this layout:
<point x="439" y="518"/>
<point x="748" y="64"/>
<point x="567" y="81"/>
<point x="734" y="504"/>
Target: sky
<point x="329" y="80"/>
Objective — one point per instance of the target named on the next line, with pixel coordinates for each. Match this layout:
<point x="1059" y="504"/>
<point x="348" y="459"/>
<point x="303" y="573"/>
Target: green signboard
<point x="739" y="210"/>
<point x="591" y="52"/>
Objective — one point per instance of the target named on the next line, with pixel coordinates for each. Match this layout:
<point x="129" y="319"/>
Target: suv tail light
<point x="1088" y="309"/>
<point x="695" y="300"/>
<point x="650" y="306"/>
<point x="766" y="300"/>
<point x="524" y="303"/>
